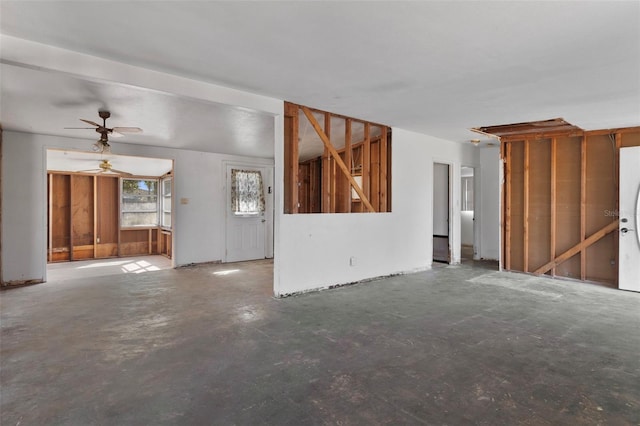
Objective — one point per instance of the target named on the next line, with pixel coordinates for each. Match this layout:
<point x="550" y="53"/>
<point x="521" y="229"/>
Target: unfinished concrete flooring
<point x="209" y="345"/>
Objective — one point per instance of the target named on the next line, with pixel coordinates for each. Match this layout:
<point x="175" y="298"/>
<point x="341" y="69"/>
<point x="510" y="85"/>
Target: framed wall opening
<point x="335" y="164"/>
<point x="99" y="214"/>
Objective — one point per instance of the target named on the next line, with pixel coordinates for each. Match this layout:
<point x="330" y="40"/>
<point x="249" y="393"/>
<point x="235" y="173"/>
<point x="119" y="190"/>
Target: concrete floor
<point x="62" y="271"/>
<point x="209" y="345"/>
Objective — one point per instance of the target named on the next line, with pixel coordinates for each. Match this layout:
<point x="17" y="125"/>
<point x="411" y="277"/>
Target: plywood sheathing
<point x="560" y="203"/>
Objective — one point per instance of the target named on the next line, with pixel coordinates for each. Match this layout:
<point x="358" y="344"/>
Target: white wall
<point x="313" y="250"/>
<point x="199" y="226"/>
<point x="488" y="203"/>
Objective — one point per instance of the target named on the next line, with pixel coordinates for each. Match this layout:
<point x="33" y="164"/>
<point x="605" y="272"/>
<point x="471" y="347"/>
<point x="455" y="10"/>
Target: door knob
<point x="625" y="230"/>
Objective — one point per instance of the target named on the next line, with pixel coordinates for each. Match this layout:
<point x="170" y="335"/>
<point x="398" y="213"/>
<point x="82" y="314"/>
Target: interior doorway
<point x="467" y="213"/>
<point x="441" y="212"/>
<point x="102" y="208"/>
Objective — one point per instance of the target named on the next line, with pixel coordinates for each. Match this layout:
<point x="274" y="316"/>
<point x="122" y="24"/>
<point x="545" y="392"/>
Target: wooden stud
<point x="583" y="205"/>
<point x="525" y="251"/>
<point x="580" y="247"/>
<point x="331" y="193"/>
<point x="50" y="225"/>
<point x="383" y="170"/>
<point x="507" y="225"/>
<point x="366" y="161"/>
<point x="329" y="147"/>
<point x="120" y="215"/>
<point x="71" y="192"/>
<point x="616" y="172"/>
<point x="95" y="215"/>
<point x="552" y="242"/>
<point x="347" y="160"/>
<point x="150" y="240"/>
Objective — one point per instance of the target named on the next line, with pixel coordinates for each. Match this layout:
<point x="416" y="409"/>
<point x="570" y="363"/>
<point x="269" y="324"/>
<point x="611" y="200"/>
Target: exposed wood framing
<point x="583" y="205"/>
<point x="507" y="193"/>
<point x="347" y="160"/>
<point x="552" y="206"/>
<point x="582" y="169"/>
<point x="95" y="216"/>
<point x="366" y="161"/>
<point x="580" y="247"/>
<point x="525" y="241"/>
<point x="291" y="155"/>
<point x="71" y="197"/>
<point x="50" y="217"/>
<point x="336" y="157"/>
<point x="383" y="169"/>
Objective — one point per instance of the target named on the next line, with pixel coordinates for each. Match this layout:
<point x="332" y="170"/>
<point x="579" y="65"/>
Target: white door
<point x="629" y="227"/>
<point x="248" y="212"/>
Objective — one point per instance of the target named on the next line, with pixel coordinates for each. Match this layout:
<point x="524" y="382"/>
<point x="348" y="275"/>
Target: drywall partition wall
<point x="199" y="193"/>
<point x="488" y="202"/>
<point x="320" y="250"/>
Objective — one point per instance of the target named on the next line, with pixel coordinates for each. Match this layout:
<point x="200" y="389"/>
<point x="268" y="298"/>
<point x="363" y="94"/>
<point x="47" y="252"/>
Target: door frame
<point x="450" y="217"/>
<point x="269" y="188"/>
<point x="476" y="209"/>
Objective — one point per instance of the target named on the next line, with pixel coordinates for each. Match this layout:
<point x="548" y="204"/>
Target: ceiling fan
<point x="105" y="167"/>
<point x="102" y="145"/>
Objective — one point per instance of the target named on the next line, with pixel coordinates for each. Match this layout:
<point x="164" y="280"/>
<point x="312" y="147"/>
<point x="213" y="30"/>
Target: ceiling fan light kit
<point x="102" y="145"/>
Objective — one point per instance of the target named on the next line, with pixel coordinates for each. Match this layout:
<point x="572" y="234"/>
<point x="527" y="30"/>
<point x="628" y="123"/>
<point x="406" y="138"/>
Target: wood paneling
<point x="60" y="216"/>
<point x="81" y="211"/>
<point x="84" y="213"/>
<point x="107" y="214"/>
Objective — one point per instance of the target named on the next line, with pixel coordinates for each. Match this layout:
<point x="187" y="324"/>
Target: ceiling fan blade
<point x="127" y="129"/>
<point x="90" y="171"/>
<point x="115" y="134"/>
<point x="119" y="172"/>
<point x="79" y="128"/>
<point x="90" y="122"/>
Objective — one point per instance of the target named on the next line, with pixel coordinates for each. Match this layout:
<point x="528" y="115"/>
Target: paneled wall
<point x="83" y="217"/>
<point x="560" y="190"/>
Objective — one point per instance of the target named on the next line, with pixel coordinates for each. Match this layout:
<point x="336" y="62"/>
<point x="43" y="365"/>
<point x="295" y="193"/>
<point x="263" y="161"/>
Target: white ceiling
<point x="438" y="68"/>
<point x="76" y="161"/>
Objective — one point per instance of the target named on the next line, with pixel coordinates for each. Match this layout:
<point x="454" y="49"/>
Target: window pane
<point x="139" y="205"/>
<point x="166" y="202"/>
<point x="247" y="195"/>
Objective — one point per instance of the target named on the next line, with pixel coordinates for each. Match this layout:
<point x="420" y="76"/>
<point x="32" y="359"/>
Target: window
<point x="165" y="218"/>
<point x="247" y="193"/>
<point x="139" y="204"/>
<point x="335" y="164"/>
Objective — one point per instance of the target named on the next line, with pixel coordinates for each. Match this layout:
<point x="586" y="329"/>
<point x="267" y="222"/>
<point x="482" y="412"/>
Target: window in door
<point x="247" y="193"/>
